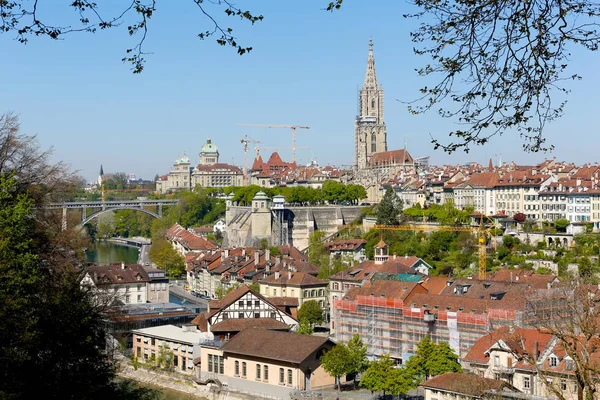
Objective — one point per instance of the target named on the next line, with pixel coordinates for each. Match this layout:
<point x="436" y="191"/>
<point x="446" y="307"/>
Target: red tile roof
<point x="117" y="274"/>
<point x="239" y="324"/>
<point x="468" y="384"/>
<point x="289" y="278"/>
<point x="275" y="345"/>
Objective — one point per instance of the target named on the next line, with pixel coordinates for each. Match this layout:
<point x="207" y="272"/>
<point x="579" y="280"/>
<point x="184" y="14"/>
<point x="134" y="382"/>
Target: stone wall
<point x="299" y="223"/>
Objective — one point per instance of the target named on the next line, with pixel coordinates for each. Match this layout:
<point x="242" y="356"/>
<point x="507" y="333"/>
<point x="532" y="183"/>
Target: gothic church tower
<point x="370" y="135"/>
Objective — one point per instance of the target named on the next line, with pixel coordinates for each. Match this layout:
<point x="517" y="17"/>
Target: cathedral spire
<point x="370" y="76"/>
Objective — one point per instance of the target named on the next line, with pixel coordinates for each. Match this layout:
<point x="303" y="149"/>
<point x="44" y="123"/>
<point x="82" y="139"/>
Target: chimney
<point x="289" y="275"/>
<point x="405" y="256"/>
<point x="256" y="257"/>
<point x="243" y="251"/>
<point x="222" y="256"/>
<point x="510" y="276"/>
<point x="277" y="275"/>
<point x="267" y="255"/>
<point x="226" y="253"/>
<point x="277" y="260"/>
<point x="122" y="265"/>
<point x="535" y="351"/>
<point x="394" y="255"/>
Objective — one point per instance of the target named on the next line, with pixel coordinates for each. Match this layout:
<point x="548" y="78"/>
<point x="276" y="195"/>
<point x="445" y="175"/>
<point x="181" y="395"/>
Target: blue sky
<point x="305" y="69"/>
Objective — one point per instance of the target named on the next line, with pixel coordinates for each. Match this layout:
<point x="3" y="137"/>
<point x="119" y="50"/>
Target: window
<point x="496" y="360"/>
<point x="221" y="365"/>
<point x="139" y="298"/>
<point x="210" y="363"/>
<point x="256" y="303"/>
<point x="290" y="377"/>
<point x="526" y="382"/>
<point x="225" y="315"/>
<point x="321" y="292"/>
<point x="281" y="377"/>
<point x="273" y="315"/>
<point x="256" y="315"/>
<point x="553" y="361"/>
<point x="248" y="303"/>
<point x="563" y="384"/>
<point x="241" y="315"/>
<point x="127" y="299"/>
<point x="313" y="293"/>
<point x="266" y="372"/>
<point x="153" y="341"/>
<point x="258" y="372"/>
<point x="241" y="304"/>
<point x="274" y="292"/>
<point x="237" y="368"/>
<point x="243" y="369"/>
<point x="306" y="293"/>
<point x="139" y="339"/>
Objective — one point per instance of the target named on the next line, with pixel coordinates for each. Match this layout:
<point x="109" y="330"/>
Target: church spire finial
<point x="371" y="76"/>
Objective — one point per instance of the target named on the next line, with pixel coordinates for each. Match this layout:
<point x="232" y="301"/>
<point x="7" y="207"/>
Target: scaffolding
<point x="388" y="326"/>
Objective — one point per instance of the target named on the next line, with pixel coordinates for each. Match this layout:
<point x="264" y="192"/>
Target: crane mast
<point x="292" y="127"/>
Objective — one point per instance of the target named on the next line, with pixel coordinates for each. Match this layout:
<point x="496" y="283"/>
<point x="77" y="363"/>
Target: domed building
<point x="208" y="173"/>
<point x="209" y="153"/>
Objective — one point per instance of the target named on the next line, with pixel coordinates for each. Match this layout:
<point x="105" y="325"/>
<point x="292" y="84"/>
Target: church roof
<point x="370" y="76"/>
<point x="209" y="147"/>
<point x="391" y="157"/>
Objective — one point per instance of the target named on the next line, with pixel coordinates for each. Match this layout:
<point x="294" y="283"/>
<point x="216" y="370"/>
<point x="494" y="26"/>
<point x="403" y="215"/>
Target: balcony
<point x="503" y="370"/>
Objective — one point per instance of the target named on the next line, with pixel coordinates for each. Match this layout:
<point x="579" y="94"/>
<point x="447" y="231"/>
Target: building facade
<point x="208" y="173"/>
<point x="370" y="134"/>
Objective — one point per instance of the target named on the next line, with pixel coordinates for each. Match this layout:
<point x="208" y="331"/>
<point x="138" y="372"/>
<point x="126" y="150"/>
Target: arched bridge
<point x="102" y="207"/>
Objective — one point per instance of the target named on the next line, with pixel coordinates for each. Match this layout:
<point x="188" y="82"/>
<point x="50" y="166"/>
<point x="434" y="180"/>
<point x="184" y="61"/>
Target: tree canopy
<point x="311" y="312"/>
<point x="389" y="208"/>
<point x="50" y="327"/>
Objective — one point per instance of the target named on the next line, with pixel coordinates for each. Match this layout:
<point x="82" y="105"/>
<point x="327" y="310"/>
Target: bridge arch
<point x="98" y="213"/>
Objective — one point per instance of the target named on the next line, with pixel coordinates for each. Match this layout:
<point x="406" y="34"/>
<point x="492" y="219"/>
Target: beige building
<point x="180" y="346"/>
<point x="265" y="362"/>
<point x="461" y="386"/>
<point x="299" y="285"/>
<point x="208" y="173"/>
<point x="527" y="359"/>
<point x="129" y="284"/>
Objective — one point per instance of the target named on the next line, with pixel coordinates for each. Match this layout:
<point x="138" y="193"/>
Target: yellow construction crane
<point x="292" y="127"/>
<point x="245" y="142"/>
<point x="481" y="231"/>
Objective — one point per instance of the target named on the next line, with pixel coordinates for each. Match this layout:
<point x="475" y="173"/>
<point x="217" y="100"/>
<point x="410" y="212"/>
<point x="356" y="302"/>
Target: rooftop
<point x="172" y="332"/>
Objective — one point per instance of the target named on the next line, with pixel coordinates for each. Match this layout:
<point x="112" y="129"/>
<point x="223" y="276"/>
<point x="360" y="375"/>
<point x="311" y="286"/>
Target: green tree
<point x="305" y="327"/>
<point x="166" y="257"/>
<point x="50" y="326"/>
<point x="389" y="208"/>
<point x="443" y="359"/>
<point x="376" y="376"/>
<point x="358" y="356"/>
<point x="106" y="230"/>
<point x="561" y="225"/>
<point x="336" y="362"/>
<point x="311" y="312"/>
<point x="399" y="382"/>
<point x="317" y="253"/>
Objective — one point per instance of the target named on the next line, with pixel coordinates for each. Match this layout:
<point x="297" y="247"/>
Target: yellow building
<point x="299" y="285"/>
<point x="263" y="361"/>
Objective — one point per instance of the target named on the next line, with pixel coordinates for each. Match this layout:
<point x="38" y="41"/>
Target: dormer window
<point x="553" y="361"/>
<point x="569" y="365"/>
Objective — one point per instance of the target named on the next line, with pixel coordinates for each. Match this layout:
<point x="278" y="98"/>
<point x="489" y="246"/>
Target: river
<point x="105" y="253"/>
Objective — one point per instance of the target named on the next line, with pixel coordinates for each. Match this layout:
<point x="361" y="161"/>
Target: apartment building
<point x="128" y="284"/>
<point x="179" y="346"/>
<point x="529" y="359"/>
<point x="268" y="361"/>
<point x="298" y="285"/>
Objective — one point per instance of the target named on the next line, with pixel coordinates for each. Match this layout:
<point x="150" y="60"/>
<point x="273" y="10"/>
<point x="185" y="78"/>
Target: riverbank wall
<point x="185" y="384"/>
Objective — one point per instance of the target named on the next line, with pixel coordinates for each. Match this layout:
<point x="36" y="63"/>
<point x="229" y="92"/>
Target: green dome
<point x="209" y="147"/>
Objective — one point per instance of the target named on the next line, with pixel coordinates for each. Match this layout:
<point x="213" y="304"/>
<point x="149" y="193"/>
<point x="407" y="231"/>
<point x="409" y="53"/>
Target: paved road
<point x="178" y="291"/>
<point x="143" y="257"/>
